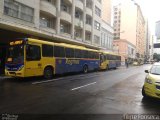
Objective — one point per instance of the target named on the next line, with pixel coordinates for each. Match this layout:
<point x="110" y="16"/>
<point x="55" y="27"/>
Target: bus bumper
<point x="14" y="73"/>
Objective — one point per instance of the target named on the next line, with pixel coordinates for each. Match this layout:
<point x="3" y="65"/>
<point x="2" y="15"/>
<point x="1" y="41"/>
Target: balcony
<point x="78" y="23"/>
<point x="89" y="11"/>
<point x="66" y="16"/>
<point x="48" y="7"/>
<point x="79" y="4"/>
<point x="70" y="1"/>
<point x="66" y="35"/>
<point x="88" y="27"/>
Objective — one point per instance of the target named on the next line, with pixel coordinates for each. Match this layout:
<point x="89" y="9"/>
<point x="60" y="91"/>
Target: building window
<point x="88" y="20"/>
<point x="53" y="2"/>
<point x="78" y="33"/>
<point x="115" y="9"/>
<point x="89" y="4"/>
<point x="97" y="11"/>
<point x="65" y="7"/>
<point x="78" y="14"/>
<point x="97" y="25"/>
<point x="18" y="10"/>
<point x="96" y="39"/>
<point x="99" y="1"/>
<point x="46" y="21"/>
<point x="88" y="36"/>
<point x="65" y="28"/>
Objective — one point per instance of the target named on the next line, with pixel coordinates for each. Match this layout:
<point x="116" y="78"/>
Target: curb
<point x="3" y="77"/>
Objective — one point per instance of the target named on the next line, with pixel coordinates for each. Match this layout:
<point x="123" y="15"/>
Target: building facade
<point x="106" y="28"/>
<point x="107" y="37"/>
<point x="106" y="11"/>
<point x="156" y="40"/>
<point x="125" y="49"/>
<point x="73" y="21"/>
<point x="129" y="25"/>
<point x="158" y="31"/>
<point x="147" y="41"/>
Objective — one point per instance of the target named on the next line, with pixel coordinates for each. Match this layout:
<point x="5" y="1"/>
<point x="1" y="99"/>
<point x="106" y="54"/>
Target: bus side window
<point x="47" y="51"/>
<point x="59" y="51"/>
<point x="85" y="54"/>
<point x="90" y="54"/>
<point x="78" y="53"/>
<point x="33" y="53"/>
<point x="69" y="53"/>
<point x="82" y="53"/>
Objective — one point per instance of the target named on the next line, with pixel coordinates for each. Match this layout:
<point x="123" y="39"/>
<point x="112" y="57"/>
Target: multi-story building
<point x="147" y="41"/>
<point x="106" y="28"/>
<point x="158" y="31"/>
<point x="125" y="49"/>
<point x="76" y="21"/>
<point x="156" y="40"/>
<point x="129" y="25"/>
<point x="106" y="11"/>
<point x="107" y="36"/>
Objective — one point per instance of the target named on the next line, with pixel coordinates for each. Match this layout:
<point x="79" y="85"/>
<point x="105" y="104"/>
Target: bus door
<point x="33" y="63"/>
<point x="101" y="59"/>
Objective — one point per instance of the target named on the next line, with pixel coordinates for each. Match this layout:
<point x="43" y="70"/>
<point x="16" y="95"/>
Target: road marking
<point x="83" y="86"/>
<point x="46" y="81"/>
<point x="69" y="78"/>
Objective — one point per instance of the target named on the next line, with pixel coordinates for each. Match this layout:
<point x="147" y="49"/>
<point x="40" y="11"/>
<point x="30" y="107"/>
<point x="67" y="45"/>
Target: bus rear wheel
<point x="85" y="69"/>
<point x="48" y="73"/>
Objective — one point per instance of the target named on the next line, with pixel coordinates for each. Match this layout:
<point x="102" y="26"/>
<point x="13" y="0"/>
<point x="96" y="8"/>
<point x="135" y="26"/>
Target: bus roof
<point x="60" y="44"/>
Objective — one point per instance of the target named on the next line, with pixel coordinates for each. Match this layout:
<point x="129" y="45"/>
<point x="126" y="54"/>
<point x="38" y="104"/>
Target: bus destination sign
<point x="18" y="42"/>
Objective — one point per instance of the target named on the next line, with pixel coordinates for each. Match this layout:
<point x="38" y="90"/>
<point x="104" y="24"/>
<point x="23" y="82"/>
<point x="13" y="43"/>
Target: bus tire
<point x="85" y="69"/>
<point x="48" y="73"/>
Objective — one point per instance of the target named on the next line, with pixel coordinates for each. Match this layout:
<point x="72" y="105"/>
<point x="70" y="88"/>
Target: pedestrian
<point x="126" y="63"/>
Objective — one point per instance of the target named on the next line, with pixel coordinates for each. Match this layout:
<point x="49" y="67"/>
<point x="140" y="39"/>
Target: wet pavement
<point x="97" y="93"/>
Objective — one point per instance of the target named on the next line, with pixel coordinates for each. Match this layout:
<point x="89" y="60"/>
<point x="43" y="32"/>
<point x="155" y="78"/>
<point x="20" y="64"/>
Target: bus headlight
<point x="20" y="68"/>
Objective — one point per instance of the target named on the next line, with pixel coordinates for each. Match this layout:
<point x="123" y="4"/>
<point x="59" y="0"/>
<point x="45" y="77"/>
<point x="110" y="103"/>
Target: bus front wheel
<point x="48" y="73"/>
<point x="85" y="69"/>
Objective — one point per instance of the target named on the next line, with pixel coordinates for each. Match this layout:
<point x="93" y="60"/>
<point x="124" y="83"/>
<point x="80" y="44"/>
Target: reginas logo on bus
<point x="16" y="42"/>
<point x="71" y="62"/>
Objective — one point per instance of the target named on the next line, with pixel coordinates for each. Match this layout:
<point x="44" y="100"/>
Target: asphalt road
<point x="97" y="93"/>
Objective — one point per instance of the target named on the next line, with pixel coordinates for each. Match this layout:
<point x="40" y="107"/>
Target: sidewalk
<point x="123" y="66"/>
<point x="3" y="77"/>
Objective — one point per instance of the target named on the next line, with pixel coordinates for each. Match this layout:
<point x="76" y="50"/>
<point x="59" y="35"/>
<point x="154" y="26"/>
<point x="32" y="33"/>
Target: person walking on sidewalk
<point x="126" y="63"/>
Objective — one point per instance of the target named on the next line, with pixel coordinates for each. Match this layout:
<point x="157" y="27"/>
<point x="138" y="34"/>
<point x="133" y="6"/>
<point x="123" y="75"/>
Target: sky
<point x="150" y="10"/>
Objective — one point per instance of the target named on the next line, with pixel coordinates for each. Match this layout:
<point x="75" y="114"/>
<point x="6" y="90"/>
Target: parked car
<point x="135" y="63"/>
<point x="152" y="82"/>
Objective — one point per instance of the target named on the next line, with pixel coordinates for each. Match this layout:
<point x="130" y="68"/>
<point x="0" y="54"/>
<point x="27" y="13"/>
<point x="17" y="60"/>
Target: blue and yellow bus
<point x="109" y="60"/>
<point x="31" y="57"/>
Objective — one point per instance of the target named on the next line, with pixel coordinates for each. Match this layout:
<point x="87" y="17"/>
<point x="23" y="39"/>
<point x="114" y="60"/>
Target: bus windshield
<point x="15" y="54"/>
